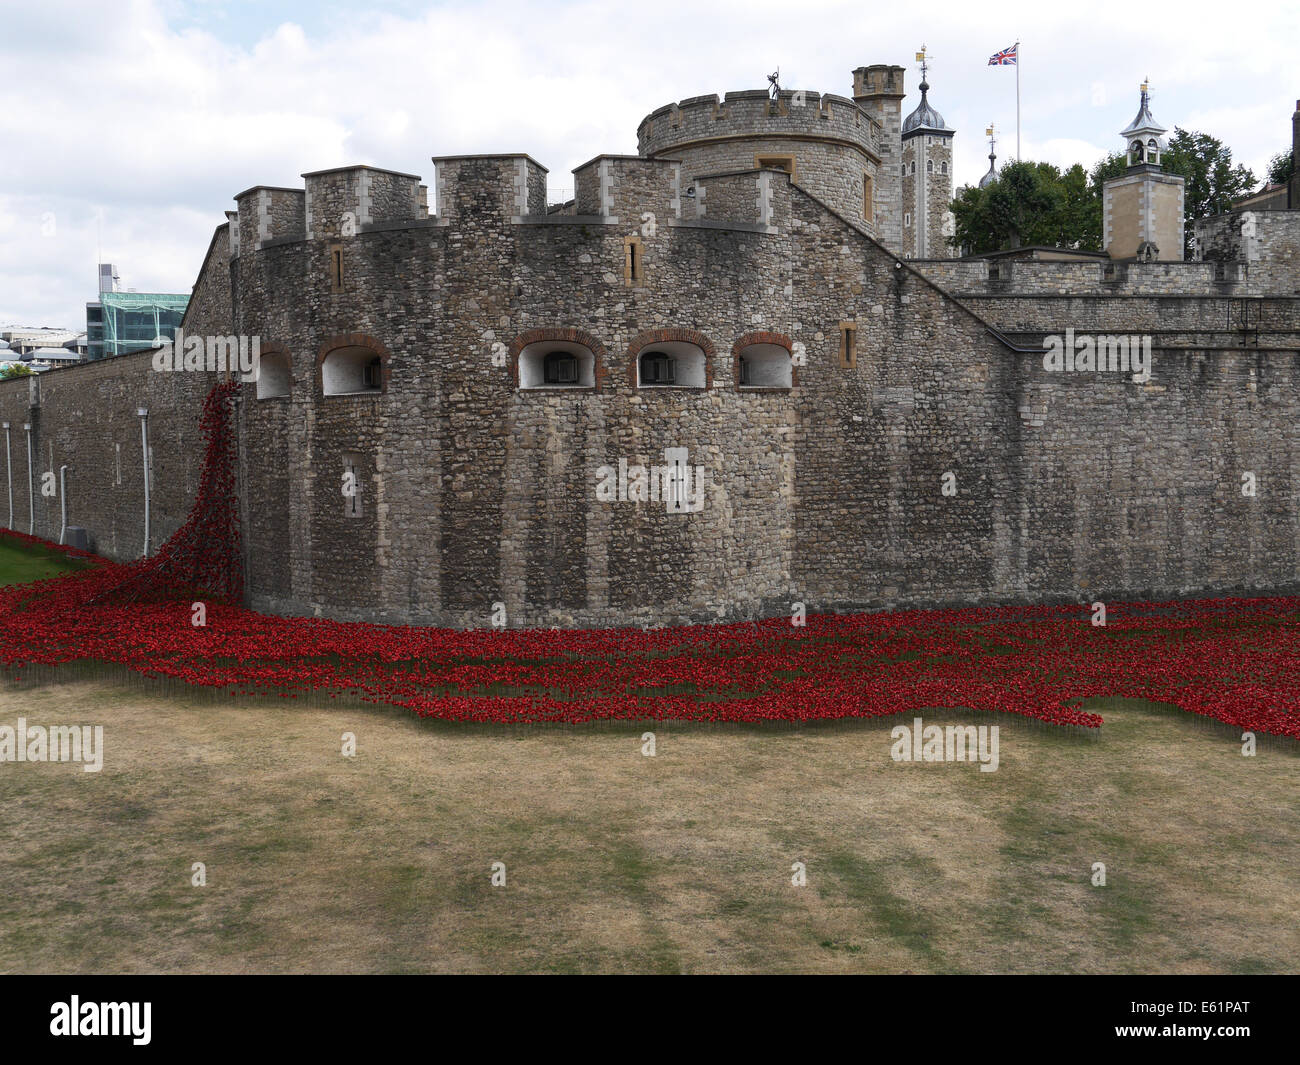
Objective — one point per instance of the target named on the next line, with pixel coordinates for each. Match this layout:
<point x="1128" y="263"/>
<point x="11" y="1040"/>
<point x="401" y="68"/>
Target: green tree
<point x="14" y="370"/>
<point x="1078" y="222"/>
<point x="1029" y="203"/>
<point x="1281" y="168"/>
<point x="1035" y="203"/>
<point x="973" y="233"/>
<point x="1019" y="208"/>
<point x="1212" y="181"/>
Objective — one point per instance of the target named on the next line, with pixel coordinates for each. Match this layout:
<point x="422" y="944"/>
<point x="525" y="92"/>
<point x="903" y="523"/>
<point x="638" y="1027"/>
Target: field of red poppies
<point x="1234" y="660"/>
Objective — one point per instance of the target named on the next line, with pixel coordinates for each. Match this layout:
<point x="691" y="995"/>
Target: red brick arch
<point x="353" y="340"/>
<point x="666" y="336"/>
<point x="567" y="334"/>
<point x="761" y="337"/>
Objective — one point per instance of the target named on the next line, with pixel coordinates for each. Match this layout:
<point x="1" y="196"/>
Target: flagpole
<point x="1017" y="100"/>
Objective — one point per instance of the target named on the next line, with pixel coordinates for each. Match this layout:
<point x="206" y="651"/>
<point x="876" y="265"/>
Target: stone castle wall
<point x="907" y="376"/>
<point x="86" y="418"/>
<point x="1101" y="278"/>
<point x="1263" y="247"/>
<point x="476" y="491"/>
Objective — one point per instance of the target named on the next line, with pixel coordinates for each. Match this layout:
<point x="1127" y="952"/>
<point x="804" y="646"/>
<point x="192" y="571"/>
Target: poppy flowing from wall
<point x="203" y="557"/>
<point x="1233" y="660"/>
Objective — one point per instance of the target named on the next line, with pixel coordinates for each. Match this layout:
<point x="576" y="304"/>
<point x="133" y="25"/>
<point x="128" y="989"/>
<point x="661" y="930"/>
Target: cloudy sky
<point x="127" y="127"/>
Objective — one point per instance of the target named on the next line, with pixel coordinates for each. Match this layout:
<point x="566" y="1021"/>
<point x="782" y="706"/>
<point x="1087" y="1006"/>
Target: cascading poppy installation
<point x="1233" y="660"/>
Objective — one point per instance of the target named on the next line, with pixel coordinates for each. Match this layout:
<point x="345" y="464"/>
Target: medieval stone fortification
<point x="863" y="429"/>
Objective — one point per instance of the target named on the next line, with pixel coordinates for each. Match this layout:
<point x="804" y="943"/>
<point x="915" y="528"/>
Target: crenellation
<point x="510" y="186"/>
<point x="745" y="197"/>
<point x="265" y="213"/>
<point x="338" y="203"/>
<point x="626" y="187"/>
<point x="232" y="222"/>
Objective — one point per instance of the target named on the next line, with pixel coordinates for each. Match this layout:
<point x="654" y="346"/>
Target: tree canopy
<point x="1036" y="203"/>
<point x="1281" y="168"/>
<point x="1028" y="203"/>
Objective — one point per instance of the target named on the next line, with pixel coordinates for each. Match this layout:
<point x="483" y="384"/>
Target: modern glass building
<point x="122" y="322"/>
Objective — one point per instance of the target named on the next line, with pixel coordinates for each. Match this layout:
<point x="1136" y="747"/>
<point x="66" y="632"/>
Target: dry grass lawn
<point x="616" y="862"/>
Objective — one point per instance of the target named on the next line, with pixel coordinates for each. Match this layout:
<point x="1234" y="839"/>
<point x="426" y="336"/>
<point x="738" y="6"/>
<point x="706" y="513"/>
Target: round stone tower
<point x="830" y="145"/>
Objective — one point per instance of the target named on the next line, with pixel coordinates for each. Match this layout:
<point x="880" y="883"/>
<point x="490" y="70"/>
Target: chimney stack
<point x="1293" y="188"/>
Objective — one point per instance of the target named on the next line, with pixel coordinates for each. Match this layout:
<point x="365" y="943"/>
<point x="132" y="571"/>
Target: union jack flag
<point x="1005" y="58"/>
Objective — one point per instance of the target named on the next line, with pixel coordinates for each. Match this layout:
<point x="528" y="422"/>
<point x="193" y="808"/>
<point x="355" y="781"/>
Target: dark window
<point x="560" y="368"/>
<point x="744" y="370"/>
<point x="657" y="368"/>
<point x="336" y="267"/>
<point x="374" y="374"/>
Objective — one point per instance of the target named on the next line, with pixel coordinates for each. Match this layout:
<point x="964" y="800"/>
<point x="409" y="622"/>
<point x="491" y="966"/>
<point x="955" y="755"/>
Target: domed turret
<point x="926" y="174"/>
<point x="925" y="118"/>
<point x="992" y="175"/>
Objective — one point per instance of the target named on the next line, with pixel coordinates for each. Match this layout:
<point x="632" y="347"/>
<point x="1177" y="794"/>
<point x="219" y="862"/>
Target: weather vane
<point x="775" y="90"/>
<point x="921" y="58"/>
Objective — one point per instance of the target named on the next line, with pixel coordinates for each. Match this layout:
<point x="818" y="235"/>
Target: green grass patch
<point x="22" y="565"/>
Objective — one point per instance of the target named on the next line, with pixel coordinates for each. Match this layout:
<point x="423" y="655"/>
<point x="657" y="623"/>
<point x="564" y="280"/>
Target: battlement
<point x="265" y="213"/>
<point x="512" y="184"/>
<point x="1262" y="245"/>
<point x="334" y="203"/>
<point x="623" y="187"/>
<point x="745" y="197"/>
<point x="796" y="114"/>
<point x="878" y="80"/>
<point x="1099" y="278"/>
<point x="341" y="201"/>
<point x="510" y="188"/>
